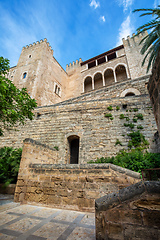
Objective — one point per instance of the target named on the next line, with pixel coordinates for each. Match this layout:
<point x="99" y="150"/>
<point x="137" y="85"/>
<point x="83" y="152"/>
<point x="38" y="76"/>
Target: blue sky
<point x="74" y="28"/>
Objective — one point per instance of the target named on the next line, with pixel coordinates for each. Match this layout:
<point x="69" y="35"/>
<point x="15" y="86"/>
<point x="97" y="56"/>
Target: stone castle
<point x="72" y="104"/>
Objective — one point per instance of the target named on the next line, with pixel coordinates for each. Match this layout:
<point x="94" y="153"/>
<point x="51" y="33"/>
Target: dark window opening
<point x="124" y="106"/>
<point x="129" y="94"/>
<point x="101" y="60"/>
<point x="92" y="64"/>
<point x="24" y="75"/>
<point x="30" y="56"/>
<point x="74" y="149"/>
<point x="111" y="56"/>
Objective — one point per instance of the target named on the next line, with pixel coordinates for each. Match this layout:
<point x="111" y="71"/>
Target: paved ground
<point x="30" y="222"/>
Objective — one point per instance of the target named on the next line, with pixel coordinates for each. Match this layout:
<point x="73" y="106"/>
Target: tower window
<point x="24" y="75"/>
<point x="30" y="56"/>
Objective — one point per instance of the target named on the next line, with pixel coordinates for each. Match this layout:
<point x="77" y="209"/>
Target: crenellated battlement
<point x="74" y="64"/>
<point x="133" y="40"/>
<point x="38" y="43"/>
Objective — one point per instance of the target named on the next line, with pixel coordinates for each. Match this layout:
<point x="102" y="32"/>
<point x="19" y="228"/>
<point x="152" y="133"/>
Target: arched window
<point x="88" y="84"/>
<point x="74" y="149"/>
<point x="98" y="82"/>
<point x="121" y="74"/>
<point x="108" y="77"/>
<point x="24" y="75"/>
<point x="130" y="92"/>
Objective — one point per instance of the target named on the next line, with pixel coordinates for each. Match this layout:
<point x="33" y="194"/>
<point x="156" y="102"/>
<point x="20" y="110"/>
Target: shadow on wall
<point x="132" y="213"/>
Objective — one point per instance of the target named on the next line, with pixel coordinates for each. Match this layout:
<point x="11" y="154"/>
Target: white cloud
<point x="125" y="3"/>
<point x="94" y="4"/>
<point x="102" y="18"/>
<point x="156" y="3"/>
<point x="125" y="29"/>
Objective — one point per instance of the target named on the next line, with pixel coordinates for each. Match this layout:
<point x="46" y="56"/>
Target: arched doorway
<point x="73" y="149"/>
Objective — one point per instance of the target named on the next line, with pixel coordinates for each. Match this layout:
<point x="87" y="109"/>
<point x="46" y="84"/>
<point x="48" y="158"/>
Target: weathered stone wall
<point x="43" y="73"/>
<point x="53" y="125"/>
<point x="40" y="180"/>
<point x="132" y="213"/>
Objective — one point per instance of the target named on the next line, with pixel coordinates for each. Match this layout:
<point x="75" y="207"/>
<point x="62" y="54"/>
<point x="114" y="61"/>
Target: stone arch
<point x="109" y="76"/>
<point x="121" y="73"/>
<point x="73" y="141"/>
<point x="88" y="84"/>
<point x="98" y="80"/>
<point x="130" y="92"/>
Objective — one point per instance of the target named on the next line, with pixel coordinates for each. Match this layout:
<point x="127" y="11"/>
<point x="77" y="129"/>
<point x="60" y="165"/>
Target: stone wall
<point x="71" y="186"/>
<point x="53" y="125"/>
<point x="132" y="213"/>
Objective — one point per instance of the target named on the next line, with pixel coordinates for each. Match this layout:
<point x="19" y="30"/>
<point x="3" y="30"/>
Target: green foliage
<point x="110" y="108"/>
<point x="134" y="160"/>
<point x="9" y="164"/>
<point x="117" y="108"/>
<point x="118" y="142"/>
<point x="121" y="116"/>
<point x="127" y="118"/>
<point x="134" y="119"/>
<point x="139" y="116"/>
<point x="130" y="110"/>
<point x="139" y="127"/>
<point x="131" y="125"/>
<point x="56" y="148"/>
<point x="108" y="115"/>
<point x="135" y="109"/>
<point x="111" y="118"/>
<point x="151" y="41"/>
<point x="137" y="139"/>
<point x="15" y="105"/>
<point x="127" y="110"/>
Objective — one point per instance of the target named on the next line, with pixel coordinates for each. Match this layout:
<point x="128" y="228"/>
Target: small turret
<point x="73" y="65"/>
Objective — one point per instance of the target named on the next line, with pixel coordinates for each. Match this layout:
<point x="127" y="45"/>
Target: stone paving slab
<point x="29" y="222"/>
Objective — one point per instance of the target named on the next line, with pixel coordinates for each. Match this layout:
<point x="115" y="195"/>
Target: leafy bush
<point x="139" y="127"/>
<point x="108" y="115"/>
<point x="121" y="116"/>
<point x="137" y="139"/>
<point x="110" y="108"/>
<point x="134" y="160"/>
<point x="9" y="164"/>
<point x="118" y="142"/>
<point x="117" y="108"/>
<point x="56" y="148"/>
<point x="139" y="116"/>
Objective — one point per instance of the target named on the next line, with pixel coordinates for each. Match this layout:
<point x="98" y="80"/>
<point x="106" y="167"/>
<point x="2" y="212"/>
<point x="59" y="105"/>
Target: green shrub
<point x="118" y="142"/>
<point x="111" y="118"/>
<point x="56" y="148"/>
<point x="9" y="164"/>
<point x="121" y="116"/>
<point x="139" y="116"/>
<point x="110" y="108"/>
<point x="137" y="139"/>
<point x="127" y="118"/>
<point x="139" y="127"/>
<point x="130" y="110"/>
<point x="117" y="108"/>
<point x="134" y="119"/>
<point x="108" y="115"/>
<point x="135" y="109"/>
<point x="134" y="160"/>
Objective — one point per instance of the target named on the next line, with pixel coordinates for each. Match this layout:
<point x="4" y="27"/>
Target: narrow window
<point x="30" y="56"/>
<point x="24" y="75"/>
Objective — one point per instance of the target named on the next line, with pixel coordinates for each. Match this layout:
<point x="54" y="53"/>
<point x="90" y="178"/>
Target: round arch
<point x="109" y="76"/>
<point x="120" y="71"/>
<point x="98" y="80"/>
<point x="130" y="92"/>
<point x="87" y="84"/>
